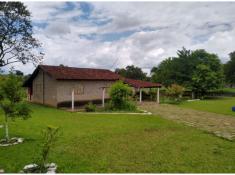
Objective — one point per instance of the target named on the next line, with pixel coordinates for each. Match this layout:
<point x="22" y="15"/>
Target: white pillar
<point x="73" y="100"/>
<point x="103" y="96"/>
<point x="140" y="95"/>
<point x="158" y="95"/>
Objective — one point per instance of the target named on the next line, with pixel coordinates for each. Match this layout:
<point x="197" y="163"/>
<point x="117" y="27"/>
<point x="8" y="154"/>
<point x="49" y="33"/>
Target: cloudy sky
<point x="117" y="34"/>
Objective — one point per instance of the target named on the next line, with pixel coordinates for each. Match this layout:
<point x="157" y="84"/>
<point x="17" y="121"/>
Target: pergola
<point x="140" y="85"/>
<point x="137" y="84"/>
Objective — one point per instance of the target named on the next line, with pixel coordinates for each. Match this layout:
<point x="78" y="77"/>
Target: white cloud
<point x="161" y="28"/>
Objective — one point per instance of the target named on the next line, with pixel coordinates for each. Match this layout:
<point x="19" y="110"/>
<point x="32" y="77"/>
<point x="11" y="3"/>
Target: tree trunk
<point x="6" y="129"/>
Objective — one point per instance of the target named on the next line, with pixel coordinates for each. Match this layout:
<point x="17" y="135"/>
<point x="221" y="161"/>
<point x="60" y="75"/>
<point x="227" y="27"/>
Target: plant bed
<point x="12" y="141"/>
<point x="34" y="168"/>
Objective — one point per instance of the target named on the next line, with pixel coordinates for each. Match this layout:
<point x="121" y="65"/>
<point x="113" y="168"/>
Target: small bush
<point x="153" y="94"/>
<point x="120" y="95"/>
<point x="90" y="107"/>
<point x="130" y="106"/>
<point x="175" y="92"/>
<point x="50" y="136"/>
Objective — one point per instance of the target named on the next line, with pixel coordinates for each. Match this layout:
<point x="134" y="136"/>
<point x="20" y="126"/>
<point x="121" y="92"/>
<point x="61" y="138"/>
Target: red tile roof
<point x="72" y="73"/>
<point x="140" y="83"/>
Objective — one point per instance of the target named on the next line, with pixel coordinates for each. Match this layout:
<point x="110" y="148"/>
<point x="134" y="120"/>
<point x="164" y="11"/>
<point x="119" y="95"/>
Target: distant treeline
<point x="198" y="71"/>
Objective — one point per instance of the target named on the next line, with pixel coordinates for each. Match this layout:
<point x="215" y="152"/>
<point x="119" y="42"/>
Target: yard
<point x="220" y="105"/>
<point x="117" y="143"/>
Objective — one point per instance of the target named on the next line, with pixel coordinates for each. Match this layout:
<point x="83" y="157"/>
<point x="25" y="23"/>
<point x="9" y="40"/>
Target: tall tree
<point x="132" y="72"/>
<point x="229" y="69"/>
<point x="181" y="69"/>
<point x="164" y="73"/>
<point x="204" y="79"/>
<point x="17" y="43"/>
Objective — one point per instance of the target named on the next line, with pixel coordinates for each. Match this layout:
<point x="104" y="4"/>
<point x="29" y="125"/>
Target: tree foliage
<point x="17" y="43"/>
<point x="132" y="72"/>
<point x="229" y="69"/>
<point x="120" y="95"/>
<point x="12" y="100"/>
<point x="182" y="69"/>
<point x="204" y="79"/>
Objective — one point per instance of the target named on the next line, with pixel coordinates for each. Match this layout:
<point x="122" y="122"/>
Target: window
<point x="78" y="90"/>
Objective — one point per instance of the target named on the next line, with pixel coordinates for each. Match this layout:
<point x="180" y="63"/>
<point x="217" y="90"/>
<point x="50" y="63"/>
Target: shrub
<point x="90" y="107"/>
<point x="50" y="136"/>
<point x="153" y="94"/>
<point x="120" y="95"/>
<point x="130" y="106"/>
<point x="175" y="92"/>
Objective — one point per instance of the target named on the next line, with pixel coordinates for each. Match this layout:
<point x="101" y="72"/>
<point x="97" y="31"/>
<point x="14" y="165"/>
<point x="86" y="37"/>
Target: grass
<point x="232" y="90"/>
<point x="220" y="105"/>
<point x="117" y="143"/>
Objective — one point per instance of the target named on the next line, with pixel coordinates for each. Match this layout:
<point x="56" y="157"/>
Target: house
<point x="65" y="86"/>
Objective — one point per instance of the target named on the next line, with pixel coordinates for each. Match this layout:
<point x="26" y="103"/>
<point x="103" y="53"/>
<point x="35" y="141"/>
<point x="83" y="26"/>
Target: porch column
<point x="158" y="95"/>
<point x="73" y="100"/>
<point x="140" y="95"/>
<point x="103" y="96"/>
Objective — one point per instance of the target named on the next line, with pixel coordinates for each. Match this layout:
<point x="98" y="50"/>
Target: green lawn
<point x="229" y="90"/>
<point x="118" y="143"/>
<point x="220" y="105"/>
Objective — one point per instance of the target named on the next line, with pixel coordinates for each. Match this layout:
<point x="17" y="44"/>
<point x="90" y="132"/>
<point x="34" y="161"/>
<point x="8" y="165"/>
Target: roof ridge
<point x="46" y="65"/>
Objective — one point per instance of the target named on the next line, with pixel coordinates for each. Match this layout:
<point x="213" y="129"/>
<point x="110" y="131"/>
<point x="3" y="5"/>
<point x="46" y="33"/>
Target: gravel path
<point x="220" y="125"/>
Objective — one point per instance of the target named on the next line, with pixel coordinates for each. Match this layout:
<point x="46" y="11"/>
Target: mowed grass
<point x="117" y="143"/>
<point x="220" y="105"/>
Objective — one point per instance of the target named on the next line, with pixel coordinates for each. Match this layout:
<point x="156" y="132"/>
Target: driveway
<point x="218" y="124"/>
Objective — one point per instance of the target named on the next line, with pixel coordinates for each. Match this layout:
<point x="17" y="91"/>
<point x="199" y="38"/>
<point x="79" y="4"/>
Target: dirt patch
<point x="218" y="124"/>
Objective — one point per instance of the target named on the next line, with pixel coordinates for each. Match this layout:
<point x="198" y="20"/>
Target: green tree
<point x="19" y="73"/>
<point x="120" y="95"/>
<point x="17" y="43"/>
<point x="12" y="100"/>
<point x="181" y="69"/>
<point x="164" y="73"/>
<point x="229" y="69"/>
<point x="132" y="72"/>
<point x="204" y="79"/>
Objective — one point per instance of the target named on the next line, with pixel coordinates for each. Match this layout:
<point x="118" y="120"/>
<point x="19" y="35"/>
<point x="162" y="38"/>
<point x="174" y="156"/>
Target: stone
<point x="30" y="167"/>
<point x="1" y="170"/>
<point x="51" y="168"/>
<point x="20" y="140"/>
<point x="17" y="141"/>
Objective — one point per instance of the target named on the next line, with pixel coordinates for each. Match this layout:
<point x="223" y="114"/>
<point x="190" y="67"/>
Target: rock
<point x="51" y="168"/>
<point x="30" y="168"/>
<point x="20" y="140"/>
<point x="1" y="170"/>
<point x="16" y="141"/>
